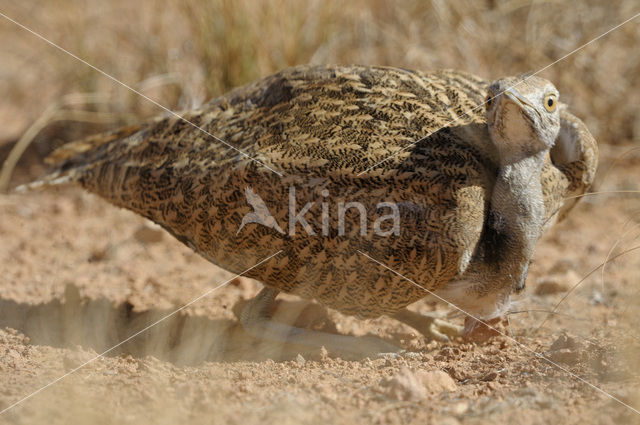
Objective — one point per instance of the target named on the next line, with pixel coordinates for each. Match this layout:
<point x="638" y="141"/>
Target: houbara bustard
<point x="454" y="197"/>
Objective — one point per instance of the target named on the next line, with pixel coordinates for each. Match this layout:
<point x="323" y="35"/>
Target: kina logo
<point x="260" y="213"/>
<point x="384" y="225"/>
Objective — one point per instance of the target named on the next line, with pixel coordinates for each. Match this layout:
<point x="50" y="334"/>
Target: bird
<point x="459" y="175"/>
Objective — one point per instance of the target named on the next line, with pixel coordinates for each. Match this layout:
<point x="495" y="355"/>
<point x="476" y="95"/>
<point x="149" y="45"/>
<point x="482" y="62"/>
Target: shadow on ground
<point x="182" y="339"/>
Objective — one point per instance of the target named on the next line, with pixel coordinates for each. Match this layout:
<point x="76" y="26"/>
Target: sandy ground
<point x="79" y="276"/>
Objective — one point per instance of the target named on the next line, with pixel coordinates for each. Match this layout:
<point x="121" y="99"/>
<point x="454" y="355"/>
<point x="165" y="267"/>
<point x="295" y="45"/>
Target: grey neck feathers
<point x="518" y="212"/>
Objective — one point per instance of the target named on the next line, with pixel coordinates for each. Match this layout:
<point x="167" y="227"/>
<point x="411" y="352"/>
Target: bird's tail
<point x="67" y="162"/>
<point x="50" y="179"/>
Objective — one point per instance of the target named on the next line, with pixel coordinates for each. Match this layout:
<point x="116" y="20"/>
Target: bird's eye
<point x="489" y="100"/>
<point x="550" y="102"/>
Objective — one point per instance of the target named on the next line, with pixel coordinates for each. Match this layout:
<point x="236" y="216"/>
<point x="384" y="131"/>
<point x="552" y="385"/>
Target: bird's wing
<point x="571" y="169"/>
<point x="348" y="130"/>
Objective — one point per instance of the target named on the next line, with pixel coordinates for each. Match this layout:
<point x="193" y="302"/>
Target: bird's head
<point x="523" y="116"/>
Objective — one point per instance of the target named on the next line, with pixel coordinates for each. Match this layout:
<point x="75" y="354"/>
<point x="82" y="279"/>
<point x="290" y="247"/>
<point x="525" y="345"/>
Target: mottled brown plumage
<point x="322" y="128"/>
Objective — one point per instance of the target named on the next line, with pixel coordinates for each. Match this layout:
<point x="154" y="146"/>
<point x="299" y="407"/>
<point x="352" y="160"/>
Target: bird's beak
<point x="512" y="95"/>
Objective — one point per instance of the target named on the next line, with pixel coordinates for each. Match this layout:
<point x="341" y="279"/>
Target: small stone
<point x="404" y="386"/>
<point x="408" y="385"/>
<point x="300" y="360"/>
<point x="437" y="381"/>
<point x="550" y="286"/>
<point x="324" y="354"/>
<point x="432" y="345"/>
<point x="489" y="377"/>
<point x="597" y="298"/>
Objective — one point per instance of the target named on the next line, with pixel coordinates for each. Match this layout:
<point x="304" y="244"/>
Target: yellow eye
<point x="550" y="102"/>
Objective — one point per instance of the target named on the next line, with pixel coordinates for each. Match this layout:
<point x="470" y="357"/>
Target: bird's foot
<point x="441" y="330"/>
<point x="257" y="322"/>
<point x="430" y="325"/>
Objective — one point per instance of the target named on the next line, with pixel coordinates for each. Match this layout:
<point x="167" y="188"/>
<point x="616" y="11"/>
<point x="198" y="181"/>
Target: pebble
<point x="597" y="298"/>
<point x="550" y="286"/>
<point x="404" y="386"/>
<point x="300" y="360"/>
<point x="437" y="381"/>
<point x="410" y="385"/>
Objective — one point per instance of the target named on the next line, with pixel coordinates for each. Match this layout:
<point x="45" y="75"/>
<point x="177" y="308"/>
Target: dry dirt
<point x="79" y="276"/>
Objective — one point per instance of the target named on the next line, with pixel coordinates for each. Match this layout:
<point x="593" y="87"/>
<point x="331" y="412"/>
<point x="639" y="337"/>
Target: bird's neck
<point x="517" y="211"/>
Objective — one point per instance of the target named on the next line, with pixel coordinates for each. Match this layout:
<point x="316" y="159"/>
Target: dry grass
<point x="183" y="53"/>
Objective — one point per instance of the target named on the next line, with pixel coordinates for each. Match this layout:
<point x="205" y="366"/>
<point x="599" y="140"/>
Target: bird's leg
<point x="430" y="325"/>
<point x="256" y="320"/>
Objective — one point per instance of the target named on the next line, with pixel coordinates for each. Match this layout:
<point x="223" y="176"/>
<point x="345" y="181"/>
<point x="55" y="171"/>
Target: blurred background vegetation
<point x="184" y="52"/>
